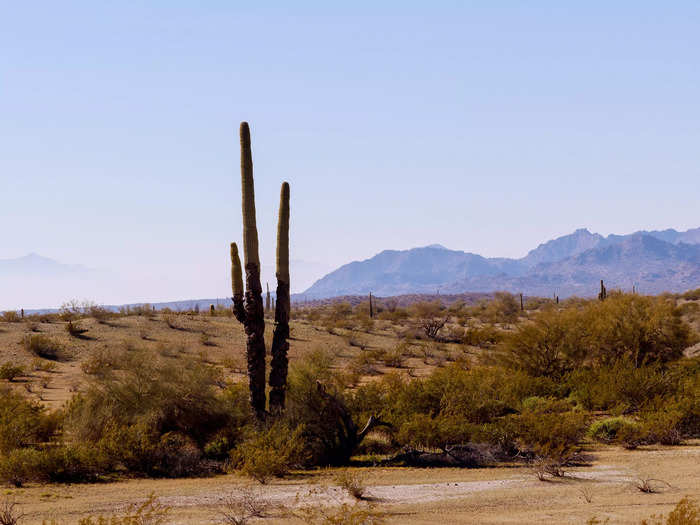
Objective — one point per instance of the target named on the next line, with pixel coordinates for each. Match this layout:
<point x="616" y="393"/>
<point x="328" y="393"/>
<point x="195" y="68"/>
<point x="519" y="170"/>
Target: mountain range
<point x="574" y="264"/>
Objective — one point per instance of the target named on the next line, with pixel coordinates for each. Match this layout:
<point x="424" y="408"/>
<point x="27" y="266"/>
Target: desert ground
<point x="605" y="490"/>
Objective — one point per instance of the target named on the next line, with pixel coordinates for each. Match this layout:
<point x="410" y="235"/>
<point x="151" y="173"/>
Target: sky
<point x="488" y="127"/>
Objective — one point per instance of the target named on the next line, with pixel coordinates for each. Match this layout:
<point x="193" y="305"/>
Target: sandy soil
<point x="495" y="495"/>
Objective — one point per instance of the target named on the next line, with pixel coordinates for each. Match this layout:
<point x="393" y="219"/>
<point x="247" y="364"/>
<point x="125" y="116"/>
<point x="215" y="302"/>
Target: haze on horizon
<point x="483" y="128"/>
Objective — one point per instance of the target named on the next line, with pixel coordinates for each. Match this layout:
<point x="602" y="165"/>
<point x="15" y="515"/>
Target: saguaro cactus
<point x="371" y="310"/>
<point x="522" y="307"/>
<point x="267" y="298"/>
<point x="280" y="343"/>
<point x="603" y="292"/>
<point x="250" y="312"/>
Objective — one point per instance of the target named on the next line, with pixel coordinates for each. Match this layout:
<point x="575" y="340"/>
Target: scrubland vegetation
<point x="504" y="382"/>
<point x="494" y="385"/>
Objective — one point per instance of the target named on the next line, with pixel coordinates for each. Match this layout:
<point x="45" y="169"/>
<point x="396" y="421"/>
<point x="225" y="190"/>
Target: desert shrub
<point x="551" y="345"/>
<point x="503" y="308"/>
<point x="482" y="336"/>
<point x="640" y="328"/>
<point x="10" y="371"/>
<point x="426" y="309"/>
<point x="270" y="452"/>
<point x="686" y="512"/>
<point x="243" y="504"/>
<point x="451" y="406"/>
<point x="394" y="358"/>
<point x="609" y="429"/>
<point x="352" y="481"/>
<point x="689" y="309"/>
<point x="692" y="295"/>
<point x="56" y="464"/>
<point x="549" y="431"/>
<point x="24" y="422"/>
<point x="424" y="432"/>
<point x="74" y="329"/>
<point x="44" y="347"/>
<point x="633" y="328"/>
<point x="359" y="513"/>
<point x="619" y="386"/>
<point x="154" y="416"/>
<point x="10" y="317"/>
<point x="101" y="362"/>
<point x="363" y="364"/>
<point x="662" y="426"/>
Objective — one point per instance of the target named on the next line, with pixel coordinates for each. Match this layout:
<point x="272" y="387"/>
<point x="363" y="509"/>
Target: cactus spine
<point x="280" y="343"/>
<point x="250" y="312"/>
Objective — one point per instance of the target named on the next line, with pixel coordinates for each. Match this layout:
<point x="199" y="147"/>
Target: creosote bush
<point x="44" y="347"/>
<point x="270" y="452"/>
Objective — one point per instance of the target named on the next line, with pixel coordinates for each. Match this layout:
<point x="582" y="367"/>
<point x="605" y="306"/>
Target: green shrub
<point x="482" y="336"/>
<point x="608" y="430"/>
<point x="270" y="452"/>
<point x="619" y="386"/>
<point x="59" y="464"/>
<point x="663" y="426"/>
<point x="155" y="416"/>
<point x="550" y="432"/>
<point x="24" y="422"/>
<point x="625" y="327"/>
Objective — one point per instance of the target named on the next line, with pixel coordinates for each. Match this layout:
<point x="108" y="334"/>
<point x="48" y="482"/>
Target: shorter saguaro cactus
<point x="603" y="292"/>
<point x="371" y="310"/>
<point x="267" y="298"/>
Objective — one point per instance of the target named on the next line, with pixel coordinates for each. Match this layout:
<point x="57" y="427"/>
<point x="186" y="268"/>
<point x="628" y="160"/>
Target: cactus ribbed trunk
<point x="280" y="343"/>
<point x="254" y="315"/>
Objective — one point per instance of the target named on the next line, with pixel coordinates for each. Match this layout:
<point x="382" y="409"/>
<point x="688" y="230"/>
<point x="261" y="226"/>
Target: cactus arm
<point x="280" y="343"/>
<point x="237" y="285"/>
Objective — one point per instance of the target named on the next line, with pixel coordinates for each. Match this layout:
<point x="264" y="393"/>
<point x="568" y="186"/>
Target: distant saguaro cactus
<point x="521" y="303"/>
<point x="371" y="310"/>
<point x="280" y="344"/>
<point x="603" y="292"/>
<point x="267" y="298"/>
<point x="248" y="306"/>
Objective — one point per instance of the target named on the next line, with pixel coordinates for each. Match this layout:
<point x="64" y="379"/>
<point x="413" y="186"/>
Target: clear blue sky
<point x="484" y="126"/>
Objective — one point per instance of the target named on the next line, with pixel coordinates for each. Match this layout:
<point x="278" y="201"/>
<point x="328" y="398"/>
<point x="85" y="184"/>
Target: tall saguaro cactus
<point x="280" y="343"/>
<point x="250" y="312"/>
<point x="248" y="305"/>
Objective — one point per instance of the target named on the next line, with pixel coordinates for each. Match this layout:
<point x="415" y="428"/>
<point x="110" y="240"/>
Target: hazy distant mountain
<point x="33" y="280"/>
<point x="38" y="266"/>
<point x="569" y="265"/>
